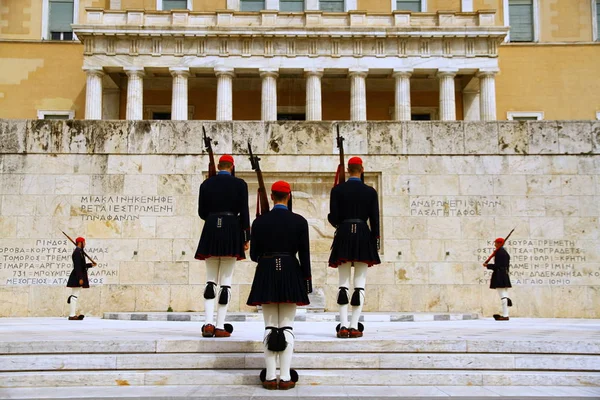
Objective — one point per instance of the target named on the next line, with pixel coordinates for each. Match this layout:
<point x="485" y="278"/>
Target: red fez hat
<point x="79" y="240"/>
<point x="355" y="160"/>
<point x="281" y="186"/>
<point x="499" y="240"/>
<point x="226" y="158"/>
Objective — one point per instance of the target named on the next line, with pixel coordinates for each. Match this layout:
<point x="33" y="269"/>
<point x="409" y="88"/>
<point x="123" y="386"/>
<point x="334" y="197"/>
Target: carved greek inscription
<point x="544" y="262"/>
<point x="48" y="262"/>
<point x="124" y="208"/>
<point x="460" y="206"/>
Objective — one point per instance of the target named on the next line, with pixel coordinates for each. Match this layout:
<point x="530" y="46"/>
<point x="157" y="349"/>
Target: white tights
<point x="73" y="302"/>
<point x="360" y="279"/>
<point x="279" y="315"/>
<point x="220" y="271"/>
<point x="503" y="293"/>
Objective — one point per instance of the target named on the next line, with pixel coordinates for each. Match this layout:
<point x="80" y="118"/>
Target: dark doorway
<point x="291" y="117"/>
<point x="161" y="115"/>
<point x="420" y="117"/>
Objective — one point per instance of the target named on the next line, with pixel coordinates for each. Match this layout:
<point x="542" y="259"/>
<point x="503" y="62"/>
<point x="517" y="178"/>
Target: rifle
<point x="340" y="174"/>
<point x="212" y="170"/>
<point x="84" y="253"/>
<point x="494" y="252"/>
<point x="262" y="202"/>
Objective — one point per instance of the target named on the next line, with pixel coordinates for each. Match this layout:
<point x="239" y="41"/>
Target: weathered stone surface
<point x="446" y="190"/>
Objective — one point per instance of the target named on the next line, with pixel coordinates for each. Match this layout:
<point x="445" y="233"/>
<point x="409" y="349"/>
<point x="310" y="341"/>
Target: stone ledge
<point x="301" y="315"/>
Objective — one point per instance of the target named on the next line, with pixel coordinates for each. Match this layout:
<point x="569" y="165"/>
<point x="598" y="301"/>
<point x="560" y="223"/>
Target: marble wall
<point x="447" y="189"/>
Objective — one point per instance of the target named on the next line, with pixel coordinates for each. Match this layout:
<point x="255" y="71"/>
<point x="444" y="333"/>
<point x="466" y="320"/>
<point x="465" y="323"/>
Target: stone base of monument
<point x="99" y="358"/>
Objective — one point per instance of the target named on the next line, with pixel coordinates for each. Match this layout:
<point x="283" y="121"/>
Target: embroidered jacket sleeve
<point x="255" y="245"/>
<point x="374" y="218"/>
<point x="244" y="211"/>
<point x="304" y="255"/>
<point x="334" y="210"/>
<point x="501" y="260"/>
<point x="79" y="264"/>
<point x="202" y="204"/>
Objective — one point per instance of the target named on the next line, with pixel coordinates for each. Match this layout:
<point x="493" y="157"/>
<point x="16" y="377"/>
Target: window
<point x="252" y="5"/>
<point x="331" y="5"/>
<point x="520" y="19"/>
<point x="60" y="18"/>
<point x="55" y="114"/>
<point x="161" y="115"/>
<point x="291" y="5"/>
<point x="174" y="5"/>
<point x="596" y="15"/>
<point x="408" y="5"/>
<point x="525" y="115"/>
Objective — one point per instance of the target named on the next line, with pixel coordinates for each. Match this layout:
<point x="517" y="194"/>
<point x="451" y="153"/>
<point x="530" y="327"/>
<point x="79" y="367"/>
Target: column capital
<point x="487" y="72"/>
<point x="360" y="72"/>
<point x="269" y="72"/>
<point x="447" y="72"/>
<point x="318" y="72"/>
<point x="134" y="71"/>
<point x="99" y="71"/>
<point x="179" y="71"/>
<point x="224" y="71"/>
<point x="402" y="72"/>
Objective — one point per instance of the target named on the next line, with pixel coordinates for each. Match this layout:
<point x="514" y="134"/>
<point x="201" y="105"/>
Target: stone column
<point x="358" y="95"/>
<point x="447" y="95"/>
<point x="224" y="93"/>
<point x="402" y="103"/>
<point x="179" y="103"/>
<point x="269" y="94"/>
<point x="487" y="96"/>
<point x="135" y="93"/>
<point x="313" y="94"/>
<point x="93" y="92"/>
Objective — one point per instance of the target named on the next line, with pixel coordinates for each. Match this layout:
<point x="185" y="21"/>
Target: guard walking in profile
<point x="78" y="278"/>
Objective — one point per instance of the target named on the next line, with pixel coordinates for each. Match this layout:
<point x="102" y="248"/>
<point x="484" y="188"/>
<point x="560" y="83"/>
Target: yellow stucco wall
<point x="443" y="5"/>
<point x="138" y="4"/>
<point x="560" y="80"/>
<point x="41" y="76"/>
<point x="565" y="20"/>
<point x="21" y="19"/>
<point x="491" y="5"/>
<point x="383" y="6"/>
<point x="210" y="5"/>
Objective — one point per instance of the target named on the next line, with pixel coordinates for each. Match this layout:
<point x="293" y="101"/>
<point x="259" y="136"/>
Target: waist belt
<point x="222" y="214"/>
<point x="276" y="255"/>
<point x="353" y="221"/>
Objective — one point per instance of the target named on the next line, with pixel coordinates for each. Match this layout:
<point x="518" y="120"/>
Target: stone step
<point x="301" y="315"/>
<point x="386" y="377"/>
<point x="302" y="392"/>
<point x="354" y="361"/>
<point x="314" y="344"/>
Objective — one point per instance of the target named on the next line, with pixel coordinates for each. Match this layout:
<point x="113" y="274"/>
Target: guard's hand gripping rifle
<point x="84" y="253"/>
<point x="262" y="202"/>
<point x="494" y="252"/>
<point x="340" y="175"/>
<point x="212" y="169"/>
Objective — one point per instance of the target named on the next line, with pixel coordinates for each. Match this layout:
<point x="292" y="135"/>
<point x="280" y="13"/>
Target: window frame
<point x="46" y="20"/>
<point x="303" y="6"/>
<point x="598" y="115"/>
<point x="159" y="5"/>
<point x="423" y="6"/>
<point x="595" y="36"/>
<point x="511" y="115"/>
<point x="41" y="114"/>
<point x="536" y="21"/>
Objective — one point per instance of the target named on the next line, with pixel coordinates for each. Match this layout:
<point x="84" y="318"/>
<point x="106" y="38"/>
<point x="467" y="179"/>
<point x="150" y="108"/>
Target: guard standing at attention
<point x="282" y="281"/>
<point x="223" y="205"/>
<point x="352" y="204"/>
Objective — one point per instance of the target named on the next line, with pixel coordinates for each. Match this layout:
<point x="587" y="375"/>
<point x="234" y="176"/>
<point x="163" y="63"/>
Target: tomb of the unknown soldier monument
<point x="299" y="198"/>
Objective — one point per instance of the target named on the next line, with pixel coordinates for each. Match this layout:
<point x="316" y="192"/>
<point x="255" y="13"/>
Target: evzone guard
<point x="500" y="276"/>
<point x="282" y="281"/>
<point x="223" y="205"/>
<point x="352" y="204"/>
<point x="78" y="278"/>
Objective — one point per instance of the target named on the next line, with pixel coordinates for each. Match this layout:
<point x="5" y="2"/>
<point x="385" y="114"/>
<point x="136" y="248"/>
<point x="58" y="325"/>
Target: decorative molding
<point x="511" y="115"/>
<point x="70" y="114"/>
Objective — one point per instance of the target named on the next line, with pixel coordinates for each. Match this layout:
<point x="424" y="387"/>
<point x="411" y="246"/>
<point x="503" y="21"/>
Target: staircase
<point x="393" y="355"/>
